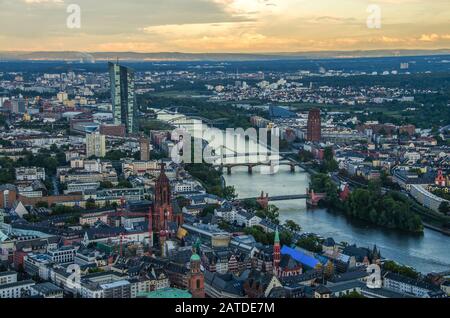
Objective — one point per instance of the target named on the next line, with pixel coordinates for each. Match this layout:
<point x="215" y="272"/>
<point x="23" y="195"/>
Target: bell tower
<point x="276" y="253"/>
<point x="196" y="279"/>
<point x="162" y="209"/>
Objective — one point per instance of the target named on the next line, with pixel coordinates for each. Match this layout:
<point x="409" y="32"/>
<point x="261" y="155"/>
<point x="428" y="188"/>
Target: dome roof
<point x="195" y="257"/>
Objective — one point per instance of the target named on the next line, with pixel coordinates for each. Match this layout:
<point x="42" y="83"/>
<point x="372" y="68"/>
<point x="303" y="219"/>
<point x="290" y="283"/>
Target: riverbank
<point x="427" y="252"/>
<point x="436" y="228"/>
<point x="388" y="210"/>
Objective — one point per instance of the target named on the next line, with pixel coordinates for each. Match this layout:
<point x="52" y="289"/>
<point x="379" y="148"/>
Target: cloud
<point x="43" y="1"/>
<point x="223" y="25"/>
<point x="429" y="37"/>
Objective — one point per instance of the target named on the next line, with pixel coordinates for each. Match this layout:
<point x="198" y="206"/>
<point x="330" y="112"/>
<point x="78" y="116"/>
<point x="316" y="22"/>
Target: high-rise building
<point x="95" y="145"/>
<point x="122" y="96"/>
<point x="18" y="106"/>
<point x="145" y="149"/>
<point x="314" y="132"/>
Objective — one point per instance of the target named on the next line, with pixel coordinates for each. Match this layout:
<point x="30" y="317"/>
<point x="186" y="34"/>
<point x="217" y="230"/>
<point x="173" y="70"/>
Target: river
<point x="427" y="253"/>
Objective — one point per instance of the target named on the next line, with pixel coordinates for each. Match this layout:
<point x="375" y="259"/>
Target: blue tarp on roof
<point x="300" y="257"/>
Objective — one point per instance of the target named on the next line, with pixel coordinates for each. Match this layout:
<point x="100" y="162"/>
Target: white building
<point x="407" y="285"/>
<point x="62" y="255"/>
<point x="30" y="173"/>
<point x="16" y="289"/>
<point x="8" y="278"/>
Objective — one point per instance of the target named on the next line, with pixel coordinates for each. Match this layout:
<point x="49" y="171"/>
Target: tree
<point x="310" y="243"/>
<point x="106" y="185"/>
<point x="444" y="208"/>
<point x="328" y="154"/>
<point x="353" y="294"/>
<point x="291" y="225"/>
<point x="41" y="204"/>
<point x="329" y="270"/>
<point x="124" y="184"/>
<point x="90" y="204"/>
<point x="208" y="210"/>
<point x="272" y="213"/>
<point x="229" y="193"/>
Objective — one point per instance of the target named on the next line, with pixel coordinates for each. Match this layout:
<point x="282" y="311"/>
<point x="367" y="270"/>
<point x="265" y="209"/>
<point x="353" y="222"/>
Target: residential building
<point x="95" y="145"/>
<point x="30" y="173"/>
<point x="17" y="289"/>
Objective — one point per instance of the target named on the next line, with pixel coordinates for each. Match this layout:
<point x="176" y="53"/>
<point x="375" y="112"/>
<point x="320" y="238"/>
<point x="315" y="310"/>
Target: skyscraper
<point x="145" y="149"/>
<point x="122" y="96"/>
<point x="314" y="132"/>
<point x="95" y="145"/>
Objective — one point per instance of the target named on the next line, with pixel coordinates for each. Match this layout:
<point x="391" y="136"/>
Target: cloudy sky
<point x="223" y="25"/>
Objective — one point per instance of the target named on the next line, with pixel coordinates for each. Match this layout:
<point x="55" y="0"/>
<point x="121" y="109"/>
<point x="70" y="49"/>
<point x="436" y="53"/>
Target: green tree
<point x="208" y="210"/>
<point x="271" y="212"/>
<point x="291" y="225"/>
<point x="444" y="208"/>
<point x="310" y="243"/>
<point x="90" y="204"/>
<point x="106" y="185"/>
<point x="41" y="204"/>
<point x="229" y="193"/>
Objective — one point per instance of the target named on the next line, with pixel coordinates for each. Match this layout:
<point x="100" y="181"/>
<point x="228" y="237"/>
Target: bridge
<point x="312" y="198"/>
<point x="251" y="166"/>
<point x="186" y="121"/>
<point x="283" y="197"/>
<point x="285" y="161"/>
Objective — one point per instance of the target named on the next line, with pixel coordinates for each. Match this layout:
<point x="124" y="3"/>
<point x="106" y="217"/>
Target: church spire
<point x="276" y="253"/>
<point x="277" y="236"/>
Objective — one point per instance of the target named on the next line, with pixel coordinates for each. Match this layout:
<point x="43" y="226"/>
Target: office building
<point x="122" y="96"/>
<point x="145" y="149"/>
<point x="314" y="126"/>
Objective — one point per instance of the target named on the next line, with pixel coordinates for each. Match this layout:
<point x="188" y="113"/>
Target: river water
<point x="427" y="253"/>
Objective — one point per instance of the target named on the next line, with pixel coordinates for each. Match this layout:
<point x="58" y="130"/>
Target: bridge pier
<point x="293" y="168"/>
<point x="229" y="170"/>
<point x="250" y="169"/>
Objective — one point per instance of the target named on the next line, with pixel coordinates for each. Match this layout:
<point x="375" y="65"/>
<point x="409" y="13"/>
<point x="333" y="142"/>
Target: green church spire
<point x="277" y="237"/>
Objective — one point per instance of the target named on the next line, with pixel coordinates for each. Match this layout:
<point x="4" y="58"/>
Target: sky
<point x="226" y="26"/>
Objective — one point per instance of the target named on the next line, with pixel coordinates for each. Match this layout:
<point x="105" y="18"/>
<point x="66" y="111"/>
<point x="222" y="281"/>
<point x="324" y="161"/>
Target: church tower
<point x="276" y="253"/>
<point x="162" y="209"/>
<point x="196" y="279"/>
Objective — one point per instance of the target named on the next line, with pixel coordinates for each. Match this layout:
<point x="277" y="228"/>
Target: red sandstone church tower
<point x="196" y="279"/>
<point x="162" y="206"/>
<point x="314" y="132"/>
<point x="276" y="253"/>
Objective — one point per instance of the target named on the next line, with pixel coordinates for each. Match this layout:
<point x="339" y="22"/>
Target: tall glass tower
<point x="122" y="96"/>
